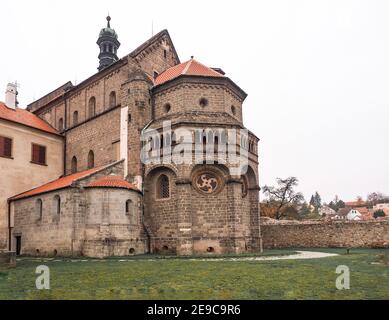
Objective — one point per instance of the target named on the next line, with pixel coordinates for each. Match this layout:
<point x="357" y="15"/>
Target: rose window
<point x="207" y="182"/>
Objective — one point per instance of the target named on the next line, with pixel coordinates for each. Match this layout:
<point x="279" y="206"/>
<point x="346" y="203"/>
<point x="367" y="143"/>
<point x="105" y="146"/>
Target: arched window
<point x="92" y="107"/>
<point x="163" y="191"/>
<point x="75" y="118"/>
<point x="39" y="209"/>
<point x="130" y="212"/>
<point x="112" y="99"/>
<point x="60" y="124"/>
<point x="74" y="165"/>
<point x="56" y="206"/>
<point x="91" y="160"/>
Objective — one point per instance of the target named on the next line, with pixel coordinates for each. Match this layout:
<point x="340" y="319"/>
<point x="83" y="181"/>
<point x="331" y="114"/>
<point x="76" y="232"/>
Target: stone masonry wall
<point x="98" y="135"/>
<point x="326" y="234"/>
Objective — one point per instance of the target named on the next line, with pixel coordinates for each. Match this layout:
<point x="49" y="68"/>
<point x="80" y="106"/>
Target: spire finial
<point x="108" y="21"/>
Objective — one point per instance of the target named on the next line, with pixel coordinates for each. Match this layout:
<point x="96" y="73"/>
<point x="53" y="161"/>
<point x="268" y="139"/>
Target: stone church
<point x="89" y="190"/>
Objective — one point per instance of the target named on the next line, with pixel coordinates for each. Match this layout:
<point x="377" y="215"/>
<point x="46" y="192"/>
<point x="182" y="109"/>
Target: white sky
<point x="317" y="72"/>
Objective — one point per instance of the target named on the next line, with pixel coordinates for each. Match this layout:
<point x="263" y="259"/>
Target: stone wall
<point x="99" y="135"/>
<point x="7" y="259"/>
<point x="91" y="222"/>
<point x="362" y="234"/>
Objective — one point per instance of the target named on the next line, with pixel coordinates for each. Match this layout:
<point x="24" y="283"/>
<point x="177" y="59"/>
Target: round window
<point x="203" y="102"/>
<point x="207" y="182"/>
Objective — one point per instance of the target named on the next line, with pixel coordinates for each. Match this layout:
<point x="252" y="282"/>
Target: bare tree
<point x="376" y="197"/>
<point x="284" y="195"/>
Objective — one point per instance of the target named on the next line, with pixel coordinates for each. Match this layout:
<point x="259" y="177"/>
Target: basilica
<point x="148" y="155"/>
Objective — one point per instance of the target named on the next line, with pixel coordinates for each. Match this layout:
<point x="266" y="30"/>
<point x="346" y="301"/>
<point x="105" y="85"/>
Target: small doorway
<point x="18" y="245"/>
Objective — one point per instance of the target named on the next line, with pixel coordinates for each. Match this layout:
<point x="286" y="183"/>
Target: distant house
<point x="354" y="215"/>
<point x="341" y="214"/>
<point x="326" y="211"/>
<point x="359" y="214"/>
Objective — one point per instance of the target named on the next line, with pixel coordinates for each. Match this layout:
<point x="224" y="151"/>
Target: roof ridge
<point x="188" y="64"/>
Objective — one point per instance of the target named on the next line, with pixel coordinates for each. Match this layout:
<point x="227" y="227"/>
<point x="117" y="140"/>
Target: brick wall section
<point x="152" y="58"/>
<point x="322" y="235"/>
<point x="186" y="97"/>
<point x="98" y="135"/>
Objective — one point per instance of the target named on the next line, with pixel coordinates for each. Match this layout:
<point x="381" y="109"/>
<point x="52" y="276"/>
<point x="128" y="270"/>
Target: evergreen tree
<point x="312" y="201"/>
<point x="317" y="200"/>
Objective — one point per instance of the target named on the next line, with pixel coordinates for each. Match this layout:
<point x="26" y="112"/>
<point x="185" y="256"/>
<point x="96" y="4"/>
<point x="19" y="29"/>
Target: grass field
<point x="145" y="278"/>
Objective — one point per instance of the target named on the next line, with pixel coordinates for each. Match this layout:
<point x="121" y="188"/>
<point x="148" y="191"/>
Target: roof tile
<point x="57" y="184"/>
<point x="26" y="118"/>
<point x="112" y="182"/>
<point x="190" y="68"/>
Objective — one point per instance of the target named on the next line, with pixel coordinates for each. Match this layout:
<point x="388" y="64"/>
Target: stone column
<point x="235" y="216"/>
<point x="184" y="218"/>
<point x="256" y="242"/>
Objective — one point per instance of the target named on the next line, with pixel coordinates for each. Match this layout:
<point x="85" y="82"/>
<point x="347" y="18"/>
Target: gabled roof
<point x="25" y="118"/>
<point x="112" y="182"/>
<point x="190" y="68"/>
<point x="58" y="184"/>
<point x="152" y="40"/>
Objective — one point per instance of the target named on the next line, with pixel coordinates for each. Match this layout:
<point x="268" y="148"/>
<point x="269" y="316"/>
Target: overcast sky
<point x="317" y="72"/>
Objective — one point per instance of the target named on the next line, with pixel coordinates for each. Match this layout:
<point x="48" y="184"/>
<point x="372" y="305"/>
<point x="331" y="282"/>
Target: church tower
<point x="109" y="45"/>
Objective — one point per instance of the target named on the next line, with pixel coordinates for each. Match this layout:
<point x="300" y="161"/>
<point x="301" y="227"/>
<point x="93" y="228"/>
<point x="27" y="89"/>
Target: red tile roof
<point x="190" y="68"/>
<point x="25" y="117"/>
<point x="112" y="182"/>
<point x="57" y="184"/>
<point x="359" y="203"/>
<point x="386" y="211"/>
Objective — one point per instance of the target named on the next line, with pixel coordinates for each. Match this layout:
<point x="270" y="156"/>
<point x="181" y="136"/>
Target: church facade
<point x="156" y="159"/>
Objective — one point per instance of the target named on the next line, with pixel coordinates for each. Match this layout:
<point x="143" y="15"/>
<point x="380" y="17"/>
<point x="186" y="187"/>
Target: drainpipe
<point x="9" y="227"/>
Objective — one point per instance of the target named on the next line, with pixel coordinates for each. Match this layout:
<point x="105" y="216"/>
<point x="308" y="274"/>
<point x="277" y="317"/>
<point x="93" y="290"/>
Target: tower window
<point x="163" y="191"/>
<point x="74" y="165"/>
<point x="167" y="108"/>
<point x="165" y="53"/>
<point x="91" y="160"/>
<point x="156" y="74"/>
<point x="233" y="110"/>
<point x="92" y="107"/>
<point x="60" y="124"/>
<point x="75" y="118"/>
<point x="112" y="99"/>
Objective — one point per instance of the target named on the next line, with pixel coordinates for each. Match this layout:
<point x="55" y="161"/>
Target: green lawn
<point x="142" y="278"/>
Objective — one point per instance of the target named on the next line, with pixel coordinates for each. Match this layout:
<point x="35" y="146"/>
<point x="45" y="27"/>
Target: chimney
<point x="10" y="96"/>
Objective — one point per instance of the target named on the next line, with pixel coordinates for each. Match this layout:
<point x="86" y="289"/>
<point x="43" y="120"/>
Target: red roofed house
<point x="97" y="197"/>
<point x="31" y="153"/>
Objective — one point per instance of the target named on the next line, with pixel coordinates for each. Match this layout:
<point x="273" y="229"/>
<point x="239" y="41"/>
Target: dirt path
<point x="301" y="255"/>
